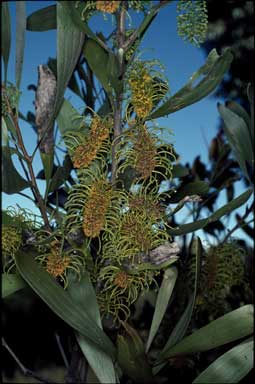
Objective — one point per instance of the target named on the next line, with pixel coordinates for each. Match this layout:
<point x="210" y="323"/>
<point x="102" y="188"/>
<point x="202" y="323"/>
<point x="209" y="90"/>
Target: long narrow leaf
<point x="191" y="227"/>
<point x="213" y="70"/>
<point x="230" y="327"/>
<point x="69" y="44"/>
<point x="12" y="182"/>
<point x="239" y="138"/>
<point x="6" y="36"/>
<point x="182" y="325"/>
<point x="75" y="11"/>
<point x="147" y="21"/>
<point x="61" y="303"/>
<point x="20" y="38"/>
<point x="11" y="283"/>
<point x="163" y="297"/>
<point x="83" y="294"/>
<point x="250" y="93"/>
<point x="42" y="20"/>
<point x="230" y="367"/>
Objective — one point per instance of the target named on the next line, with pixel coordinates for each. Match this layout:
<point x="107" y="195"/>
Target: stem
<point x="26" y="371"/>
<point x="29" y="160"/>
<point x="121" y="29"/>
<point x="132" y="38"/>
<point x="61" y="350"/>
<point x="237" y="226"/>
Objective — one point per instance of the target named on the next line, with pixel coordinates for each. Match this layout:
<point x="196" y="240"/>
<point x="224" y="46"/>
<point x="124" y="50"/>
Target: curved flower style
<point x="121" y="288"/>
<point x="11" y="242"/>
<point x="143" y="151"/>
<point x="85" y="149"/>
<point x="147" y="87"/>
<point x="58" y="262"/>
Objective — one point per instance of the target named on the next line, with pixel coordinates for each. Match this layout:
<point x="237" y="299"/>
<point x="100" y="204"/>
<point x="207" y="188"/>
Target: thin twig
<point x="121" y="29"/>
<point x="132" y="38"/>
<point x="29" y="160"/>
<point x="237" y="226"/>
<point x="26" y="196"/>
<point x="26" y="371"/>
<point x="61" y="350"/>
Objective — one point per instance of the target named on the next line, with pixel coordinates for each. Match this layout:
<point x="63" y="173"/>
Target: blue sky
<point x="193" y="127"/>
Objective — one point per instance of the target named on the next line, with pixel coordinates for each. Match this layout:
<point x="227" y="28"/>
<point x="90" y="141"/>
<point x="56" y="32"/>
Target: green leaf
<point x="43" y="20"/>
<point x="69" y="44"/>
<point x="10" y="125"/>
<point x="227" y="208"/>
<point x="147" y="22"/>
<point x="194" y="188"/>
<point x="75" y="12"/>
<point x="83" y="294"/>
<point x="240" y="111"/>
<point x="179" y="170"/>
<point x="60" y="302"/>
<point x="12" y="182"/>
<point x="105" y="108"/>
<point x="131" y="355"/>
<point x="236" y="203"/>
<point x="73" y="84"/>
<point x="103" y="64"/>
<point x="113" y="72"/>
<point x="230" y="327"/>
<point x="47" y="161"/>
<point x="69" y="119"/>
<point x="230" y="367"/>
<point x="250" y="93"/>
<point x="238" y="135"/>
<point x="6" y="36"/>
<point x="163" y="298"/>
<point x="61" y="175"/>
<point x="213" y="70"/>
<point x="5" y="138"/>
<point x="20" y="38"/>
<point x="11" y="283"/>
<point x="181" y="327"/>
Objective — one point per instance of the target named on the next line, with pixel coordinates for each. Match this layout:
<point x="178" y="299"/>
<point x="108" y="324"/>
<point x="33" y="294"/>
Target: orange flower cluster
<point x="95" y="208"/>
<point x="146" y="152"/>
<point x="121" y="280"/>
<point x="56" y="265"/>
<point x="136" y="231"/>
<point x="107" y="6"/>
<point x="146" y="206"/>
<point x="86" y="152"/>
<point x="141" y="88"/>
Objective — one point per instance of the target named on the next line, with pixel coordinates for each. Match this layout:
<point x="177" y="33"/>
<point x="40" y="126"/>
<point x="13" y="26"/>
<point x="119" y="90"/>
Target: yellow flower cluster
<point x="147" y="206"/>
<point x="99" y="199"/>
<point x="11" y="240"/>
<point x="141" y="84"/>
<point x="57" y="264"/>
<point x="146" y="151"/>
<point x="107" y="6"/>
<point x="223" y="268"/>
<point x="137" y="231"/>
<point x="86" y="152"/>
<point x="122" y="288"/>
<point x="121" y="280"/>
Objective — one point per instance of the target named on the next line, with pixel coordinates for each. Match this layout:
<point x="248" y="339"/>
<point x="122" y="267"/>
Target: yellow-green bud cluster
<point x="192" y="21"/>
